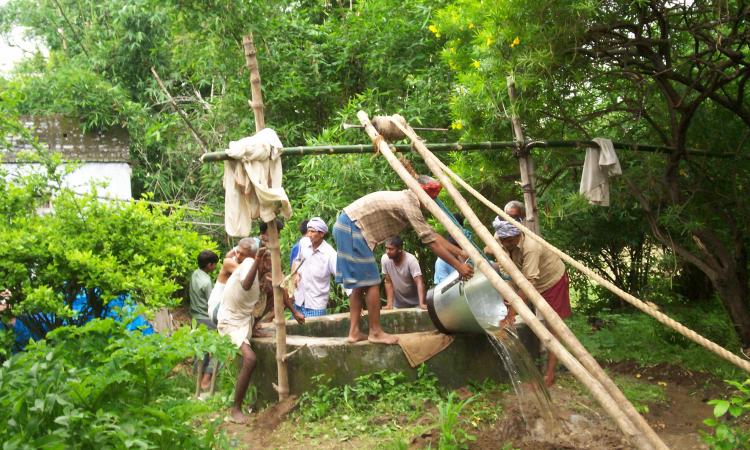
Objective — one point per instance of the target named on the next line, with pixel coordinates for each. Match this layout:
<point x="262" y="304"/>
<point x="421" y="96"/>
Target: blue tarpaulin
<point x="120" y="308"/>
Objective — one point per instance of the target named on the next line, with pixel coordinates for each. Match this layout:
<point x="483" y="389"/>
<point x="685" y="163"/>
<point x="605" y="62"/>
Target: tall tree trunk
<point x="734" y="297"/>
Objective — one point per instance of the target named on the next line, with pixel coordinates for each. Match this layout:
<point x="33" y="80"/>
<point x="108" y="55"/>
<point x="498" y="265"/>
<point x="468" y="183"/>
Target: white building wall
<point x="112" y="179"/>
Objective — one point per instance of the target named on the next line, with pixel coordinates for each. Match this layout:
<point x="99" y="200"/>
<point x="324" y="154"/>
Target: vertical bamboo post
<point x="256" y="99"/>
<point x="525" y="163"/>
<point x="598" y="391"/>
<point x="256" y="103"/>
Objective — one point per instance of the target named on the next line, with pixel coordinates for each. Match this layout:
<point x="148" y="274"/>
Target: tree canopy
<point x="659" y="72"/>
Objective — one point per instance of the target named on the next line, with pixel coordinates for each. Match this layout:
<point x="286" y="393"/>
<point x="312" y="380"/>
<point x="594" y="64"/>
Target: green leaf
<point x="720" y="408"/>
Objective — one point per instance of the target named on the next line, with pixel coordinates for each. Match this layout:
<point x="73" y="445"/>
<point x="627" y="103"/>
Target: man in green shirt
<point x="200" y="291"/>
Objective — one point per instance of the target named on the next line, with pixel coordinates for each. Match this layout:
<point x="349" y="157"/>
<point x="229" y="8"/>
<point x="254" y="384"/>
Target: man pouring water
<point x="544" y="270"/>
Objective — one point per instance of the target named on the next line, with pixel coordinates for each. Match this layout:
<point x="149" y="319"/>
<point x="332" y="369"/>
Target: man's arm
<point x="250" y="278"/>
<point x="388" y="292"/>
<point x="227" y="267"/>
<point x="419" y="281"/>
<point x="437" y="247"/>
<point x="290" y="304"/>
<point x="457" y="251"/>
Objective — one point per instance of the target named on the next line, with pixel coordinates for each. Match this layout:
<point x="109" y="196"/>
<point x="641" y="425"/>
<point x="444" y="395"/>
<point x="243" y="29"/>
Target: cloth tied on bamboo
<point x="317" y="224"/>
<point x="600" y="164"/>
<point x="252" y="182"/>
<point x="505" y="229"/>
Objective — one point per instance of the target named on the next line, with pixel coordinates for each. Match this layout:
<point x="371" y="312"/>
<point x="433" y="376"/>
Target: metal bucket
<point x="466" y="307"/>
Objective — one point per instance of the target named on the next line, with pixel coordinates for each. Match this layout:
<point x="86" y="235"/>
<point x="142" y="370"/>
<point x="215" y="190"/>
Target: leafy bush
<point x="102" y="250"/>
<point x="100" y="386"/>
<point x="728" y="432"/>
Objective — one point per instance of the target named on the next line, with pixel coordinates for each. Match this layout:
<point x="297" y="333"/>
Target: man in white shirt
<point x="315" y="264"/>
<point x="404" y="284"/>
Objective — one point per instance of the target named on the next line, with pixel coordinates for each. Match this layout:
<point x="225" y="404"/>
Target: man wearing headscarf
<point x="546" y="272"/>
<point x="315" y="264"/>
<point x="368" y="222"/>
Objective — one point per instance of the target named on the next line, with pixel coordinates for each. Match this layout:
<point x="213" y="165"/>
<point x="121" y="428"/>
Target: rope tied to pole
<point x="386" y="127"/>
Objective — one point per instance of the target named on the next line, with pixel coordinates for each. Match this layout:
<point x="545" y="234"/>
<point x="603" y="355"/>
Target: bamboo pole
<point x="367" y="149"/>
<point x="525" y="163"/>
<point x="472" y="146"/>
<point x="256" y="101"/>
<point x="607" y="402"/>
<point x="551" y="317"/>
<point x="273" y="233"/>
<point x="181" y="113"/>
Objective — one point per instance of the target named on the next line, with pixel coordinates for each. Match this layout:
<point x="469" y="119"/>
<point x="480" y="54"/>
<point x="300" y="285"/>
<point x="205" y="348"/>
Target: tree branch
<point x="181" y="113"/>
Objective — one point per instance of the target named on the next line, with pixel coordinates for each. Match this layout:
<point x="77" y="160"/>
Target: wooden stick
<point x="181" y="113"/>
<point x="627" y="427"/>
<point x="198" y="376"/>
<point x="525" y="163"/>
<point x="553" y="320"/>
<point x="273" y="232"/>
<point x="214" y="375"/>
<point x="288" y="355"/>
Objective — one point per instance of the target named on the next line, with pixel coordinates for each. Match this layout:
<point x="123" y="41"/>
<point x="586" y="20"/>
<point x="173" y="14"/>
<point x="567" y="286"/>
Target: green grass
<point x="640" y="338"/>
<point x="641" y="394"/>
<point x="391" y="409"/>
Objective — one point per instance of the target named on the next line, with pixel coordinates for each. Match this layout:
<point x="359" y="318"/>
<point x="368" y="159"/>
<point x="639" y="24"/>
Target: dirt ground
<point x="582" y="424"/>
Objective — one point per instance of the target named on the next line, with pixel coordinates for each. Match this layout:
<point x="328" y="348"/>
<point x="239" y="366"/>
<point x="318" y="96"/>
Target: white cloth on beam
<point x="600" y="164"/>
<point x="252" y="182"/>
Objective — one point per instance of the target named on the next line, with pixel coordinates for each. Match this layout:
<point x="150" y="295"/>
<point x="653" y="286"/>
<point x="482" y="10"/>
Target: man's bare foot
<point x="382" y="338"/>
<point x="549" y="379"/>
<point x="356" y="338"/>
<point x="206" y="381"/>
<point x="237" y="416"/>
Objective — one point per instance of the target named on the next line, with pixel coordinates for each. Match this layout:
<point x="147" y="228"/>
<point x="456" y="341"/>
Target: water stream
<point x="524" y="376"/>
<point x="477" y="297"/>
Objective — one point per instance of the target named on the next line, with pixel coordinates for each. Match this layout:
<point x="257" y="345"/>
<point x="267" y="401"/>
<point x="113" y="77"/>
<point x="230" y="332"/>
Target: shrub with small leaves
<point x="729" y="433"/>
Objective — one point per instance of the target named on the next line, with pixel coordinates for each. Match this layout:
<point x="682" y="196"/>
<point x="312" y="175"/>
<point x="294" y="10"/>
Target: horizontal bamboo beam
<point x="367" y="148"/>
<point x="472" y="146"/>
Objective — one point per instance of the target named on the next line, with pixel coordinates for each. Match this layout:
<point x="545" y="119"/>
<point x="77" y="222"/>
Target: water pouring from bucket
<point x="474" y="306"/>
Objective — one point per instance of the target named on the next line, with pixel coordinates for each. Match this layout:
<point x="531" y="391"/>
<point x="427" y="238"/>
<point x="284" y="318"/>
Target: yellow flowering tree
<point x="662" y="72"/>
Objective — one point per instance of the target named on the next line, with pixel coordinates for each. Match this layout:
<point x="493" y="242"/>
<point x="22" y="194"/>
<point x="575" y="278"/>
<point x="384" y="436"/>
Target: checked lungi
<point x="355" y="263"/>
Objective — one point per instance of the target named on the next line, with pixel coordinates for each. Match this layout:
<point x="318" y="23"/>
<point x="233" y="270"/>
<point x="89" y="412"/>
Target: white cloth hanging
<point x="600" y="164"/>
<point x="252" y="182"/>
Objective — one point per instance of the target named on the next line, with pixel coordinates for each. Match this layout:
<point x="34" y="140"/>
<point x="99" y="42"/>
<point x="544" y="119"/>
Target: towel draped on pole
<point x="252" y="182"/>
<point x="600" y="164"/>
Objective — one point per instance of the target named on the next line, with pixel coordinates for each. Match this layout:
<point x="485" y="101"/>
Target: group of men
<point x="243" y="294"/>
<point x="238" y="298"/>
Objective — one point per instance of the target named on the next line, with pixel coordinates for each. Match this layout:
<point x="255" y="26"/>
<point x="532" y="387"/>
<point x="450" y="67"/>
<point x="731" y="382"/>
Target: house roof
<point x="63" y="134"/>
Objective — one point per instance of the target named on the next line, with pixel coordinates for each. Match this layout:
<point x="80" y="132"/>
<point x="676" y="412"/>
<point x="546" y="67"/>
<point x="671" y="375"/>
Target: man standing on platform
<point x="315" y="264"/>
<point x="366" y="223"/>
<point x="404" y="284"/>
